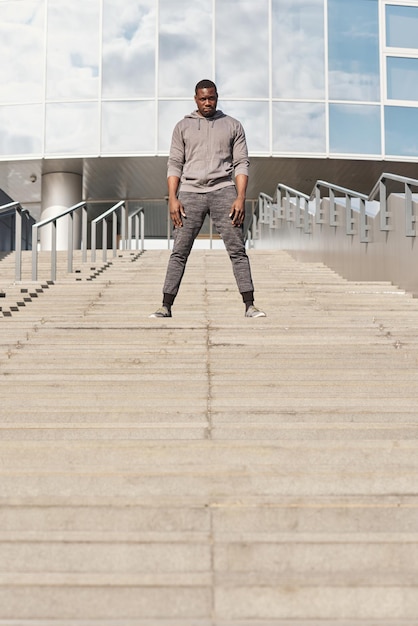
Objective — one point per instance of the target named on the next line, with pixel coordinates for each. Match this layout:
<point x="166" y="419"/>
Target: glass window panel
<point x="242" y="48"/>
<point x="22" y="51"/>
<point x="254" y="116"/>
<point x="169" y="113"/>
<point x="400" y="136"/>
<point x="21" y="129"/>
<point x="299" y="128"/>
<point x="128" y="127"/>
<point x="298" y="69"/>
<point x="354" y="129"/>
<point x="401" y="26"/>
<point x="128" y="48"/>
<point x="73" y="49"/>
<point x="353" y="34"/>
<point x="72" y="128"/>
<point x="402" y="78"/>
<point x="185" y="46"/>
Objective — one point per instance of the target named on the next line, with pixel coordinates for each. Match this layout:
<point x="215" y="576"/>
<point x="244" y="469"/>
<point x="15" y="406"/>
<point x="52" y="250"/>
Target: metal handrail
<point x="349" y="194"/>
<point x="267" y="207"/>
<point x="264" y="207"/>
<point x="289" y="192"/>
<point x="103" y="218"/>
<point x="19" y="211"/>
<point x="380" y="189"/>
<point x="138" y="217"/>
<point x="53" y="221"/>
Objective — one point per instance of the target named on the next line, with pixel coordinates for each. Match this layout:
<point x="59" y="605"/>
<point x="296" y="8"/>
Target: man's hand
<point x="176" y="212"/>
<point x="237" y="213"/>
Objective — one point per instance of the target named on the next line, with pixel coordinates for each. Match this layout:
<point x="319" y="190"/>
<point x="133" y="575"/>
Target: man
<point x="207" y="148"/>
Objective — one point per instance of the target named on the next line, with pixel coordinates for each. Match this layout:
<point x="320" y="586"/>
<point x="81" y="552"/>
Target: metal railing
<point x="53" y="221"/>
<point x="294" y="205"/>
<point x="380" y="189"/>
<point x="19" y="211"/>
<point x="290" y="204"/>
<point x="135" y="222"/>
<point x="301" y="221"/>
<point x="348" y="195"/>
<point x="132" y="223"/>
<point x="136" y="219"/>
<point x="113" y="211"/>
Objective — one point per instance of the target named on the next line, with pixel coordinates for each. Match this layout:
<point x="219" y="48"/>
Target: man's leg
<point x="220" y="203"/>
<point x="195" y="207"/>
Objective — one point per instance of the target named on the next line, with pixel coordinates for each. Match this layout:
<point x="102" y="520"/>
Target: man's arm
<point x="174" y="172"/>
<point x="237" y="213"/>
<point x="175" y="206"/>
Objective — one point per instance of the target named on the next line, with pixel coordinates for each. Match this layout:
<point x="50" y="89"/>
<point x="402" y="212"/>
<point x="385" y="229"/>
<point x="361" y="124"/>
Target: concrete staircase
<point x="209" y="470"/>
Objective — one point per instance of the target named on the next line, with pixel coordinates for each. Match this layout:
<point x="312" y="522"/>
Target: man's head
<point x="206" y="97"/>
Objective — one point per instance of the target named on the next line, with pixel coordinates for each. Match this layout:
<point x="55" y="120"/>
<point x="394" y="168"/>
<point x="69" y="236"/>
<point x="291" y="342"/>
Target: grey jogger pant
<point x="196" y="206"/>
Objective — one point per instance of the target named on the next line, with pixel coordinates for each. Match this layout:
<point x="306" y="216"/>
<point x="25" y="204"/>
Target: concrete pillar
<point x="60" y="190"/>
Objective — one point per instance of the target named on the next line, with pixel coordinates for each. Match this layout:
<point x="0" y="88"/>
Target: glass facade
<point x="330" y="78"/>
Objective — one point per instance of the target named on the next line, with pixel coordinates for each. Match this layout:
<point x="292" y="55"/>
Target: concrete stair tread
<point x="209" y="470"/>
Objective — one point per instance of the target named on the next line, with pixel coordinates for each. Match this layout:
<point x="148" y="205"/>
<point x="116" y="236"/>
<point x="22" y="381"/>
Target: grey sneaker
<point x="163" y="311"/>
<point x="252" y="311"/>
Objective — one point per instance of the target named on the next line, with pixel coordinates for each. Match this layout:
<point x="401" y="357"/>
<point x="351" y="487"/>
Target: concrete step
<point x="209" y="470"/>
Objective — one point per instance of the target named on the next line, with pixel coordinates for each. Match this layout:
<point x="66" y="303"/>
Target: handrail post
<point x="114" y="233"/>
<point x="18" y="243"/>
<point x="136" y="224"/>
<point x="70" y="243"/>
<point x="54" y="249"/>
<point x="93" y="241"/>
<point x="261" y="209"/>
<point x="333" y="214"/>
<point x="349" y="220"/>
<point x="364" y="226"/>
<point x="279" y="201"/>
<point x="288" y="214"/>
<point x="306" y="222"/>
<point x="319" y="218"/>
<point x="104" y="240"/>
<point x="34" y="252"/>
<point x="384" y="214"/>
<point x="409" y="213"/>
<point x="123" y="217"/>
<point x="129" y="243"/>
<point x="142" y="220"/>
<point x="84" y="234"/>
<point x="297" y="213"/>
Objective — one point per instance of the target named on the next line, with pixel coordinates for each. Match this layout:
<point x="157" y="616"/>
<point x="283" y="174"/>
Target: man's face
<point x="206" y="100"/>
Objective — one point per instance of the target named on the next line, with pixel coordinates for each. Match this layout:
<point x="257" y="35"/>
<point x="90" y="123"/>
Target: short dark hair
<point x="205" y="84"/>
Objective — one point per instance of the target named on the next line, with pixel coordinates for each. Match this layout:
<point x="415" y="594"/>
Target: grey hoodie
<point x="205" y="152"/>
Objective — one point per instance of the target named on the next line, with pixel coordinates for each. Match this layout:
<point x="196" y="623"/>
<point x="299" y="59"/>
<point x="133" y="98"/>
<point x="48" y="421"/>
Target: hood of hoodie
<point x="196" y="115"/>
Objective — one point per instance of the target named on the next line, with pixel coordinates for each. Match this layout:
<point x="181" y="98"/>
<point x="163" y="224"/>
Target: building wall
<point x="324" y="78"/>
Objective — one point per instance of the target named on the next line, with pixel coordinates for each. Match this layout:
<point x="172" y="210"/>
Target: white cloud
<point x="21" y="129"/>
<point x="73" y="49"/>
<point x="298" y="49"/>
<point x="72" y="128"/>
<point x="129" y="45"/>
<point x="353" y="86"/>
<point x="185" y="46"/>
<point x="21" y="51"/>
<point x="242" y="49"/>
<point x="298" y="127"/>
